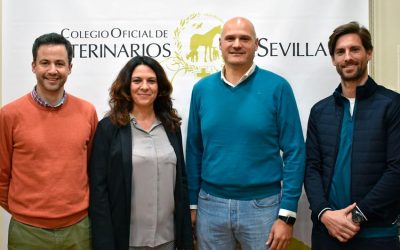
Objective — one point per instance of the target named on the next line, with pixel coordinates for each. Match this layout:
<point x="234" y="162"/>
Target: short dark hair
<point x="121" y="102"/>
<point x="350" y="28"/>
<point x="52" y="38"/>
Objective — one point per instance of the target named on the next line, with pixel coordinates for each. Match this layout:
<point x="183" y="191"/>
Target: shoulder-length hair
<point x="121" y="102"/>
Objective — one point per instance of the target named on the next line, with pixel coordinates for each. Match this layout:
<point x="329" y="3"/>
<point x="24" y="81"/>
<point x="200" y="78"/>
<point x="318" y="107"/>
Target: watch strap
<point x="287" y="219"/>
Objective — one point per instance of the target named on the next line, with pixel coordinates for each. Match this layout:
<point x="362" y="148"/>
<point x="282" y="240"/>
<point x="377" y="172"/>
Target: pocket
<point x="11" y="226"/>
<point x="84" y="224"/>
<point x="13" y="234"/>
<point x="203" y="195"/>
<point x="270" y="201"/>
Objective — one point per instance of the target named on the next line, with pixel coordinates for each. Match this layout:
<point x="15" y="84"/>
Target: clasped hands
<point x="340" y="224"/>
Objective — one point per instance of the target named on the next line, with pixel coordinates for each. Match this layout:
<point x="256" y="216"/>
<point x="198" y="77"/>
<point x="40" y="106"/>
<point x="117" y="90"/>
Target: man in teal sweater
<point x="245" y="150"/>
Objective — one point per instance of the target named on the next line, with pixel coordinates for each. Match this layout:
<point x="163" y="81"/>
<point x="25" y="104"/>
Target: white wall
<point x="297" y="27"/>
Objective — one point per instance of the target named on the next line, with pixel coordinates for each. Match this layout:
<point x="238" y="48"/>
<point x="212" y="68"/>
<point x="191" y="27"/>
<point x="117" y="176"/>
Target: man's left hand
<point x="280" y="235"/>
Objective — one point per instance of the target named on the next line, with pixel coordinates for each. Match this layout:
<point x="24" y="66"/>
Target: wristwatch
<point x="357" y="216"/>
<point x="287" y="219"/>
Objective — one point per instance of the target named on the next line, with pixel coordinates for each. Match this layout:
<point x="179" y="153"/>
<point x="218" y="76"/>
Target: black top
<point x="110" y="188"/>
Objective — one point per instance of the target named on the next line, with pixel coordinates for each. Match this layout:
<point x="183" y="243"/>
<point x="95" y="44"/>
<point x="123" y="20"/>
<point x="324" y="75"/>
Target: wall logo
<point x="196" y="40"/>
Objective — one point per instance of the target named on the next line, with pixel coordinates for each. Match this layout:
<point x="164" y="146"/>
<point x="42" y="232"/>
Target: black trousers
<point x="321" y="240"/>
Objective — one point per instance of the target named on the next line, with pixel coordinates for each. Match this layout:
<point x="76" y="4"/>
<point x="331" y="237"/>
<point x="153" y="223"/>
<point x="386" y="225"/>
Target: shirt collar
<point x="244" y="77"/>
<point x="44" y="103"/>
<point x="134" y="123"/>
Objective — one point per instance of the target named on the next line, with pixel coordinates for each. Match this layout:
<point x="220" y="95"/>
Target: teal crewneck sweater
<point x="236" y="135"/>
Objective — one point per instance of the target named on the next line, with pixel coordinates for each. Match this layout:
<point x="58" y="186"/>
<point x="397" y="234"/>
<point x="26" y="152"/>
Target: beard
<point x="357" y="75"/>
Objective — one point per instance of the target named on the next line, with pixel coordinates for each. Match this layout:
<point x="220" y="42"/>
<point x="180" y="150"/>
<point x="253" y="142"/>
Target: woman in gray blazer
<point x="138" y="187"/>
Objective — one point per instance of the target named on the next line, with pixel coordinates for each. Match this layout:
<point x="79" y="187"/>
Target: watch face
<point x="356" y="217"/>
<point x="289" y="220"/>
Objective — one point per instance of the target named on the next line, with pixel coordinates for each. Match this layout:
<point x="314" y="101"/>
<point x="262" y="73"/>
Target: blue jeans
<point x="222" y="222"/>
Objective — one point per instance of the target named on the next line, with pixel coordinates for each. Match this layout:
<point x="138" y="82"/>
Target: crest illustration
<point x="197" y="45"/>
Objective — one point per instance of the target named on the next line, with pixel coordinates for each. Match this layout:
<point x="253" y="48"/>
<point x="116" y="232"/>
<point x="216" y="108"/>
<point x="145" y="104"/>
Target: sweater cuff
<point x="287" y="213"/>
<point x="322" y="212"/>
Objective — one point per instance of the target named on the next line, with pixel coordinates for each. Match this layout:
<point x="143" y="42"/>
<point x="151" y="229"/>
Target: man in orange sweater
<point x="46" y="138"/>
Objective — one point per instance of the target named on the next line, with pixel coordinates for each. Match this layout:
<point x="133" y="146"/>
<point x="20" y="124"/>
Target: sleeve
<point x="93" y="124"/>
<point x="187" y="240"/>
<point x="194" y="149"/>
<point x="99" y="207"/>
<point x="291" y="142"/>
<point x="6" y="151"/>
<point x="386" y="191"/>
<point x="313" y="175"/>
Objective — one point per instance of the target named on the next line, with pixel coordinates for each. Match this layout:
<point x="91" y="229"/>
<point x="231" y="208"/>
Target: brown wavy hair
<point x="121" y="102"/>
<point x="350" y="28"/>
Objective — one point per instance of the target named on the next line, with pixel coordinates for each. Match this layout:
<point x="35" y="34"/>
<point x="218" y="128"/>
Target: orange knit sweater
<point x="43" y="161"/>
